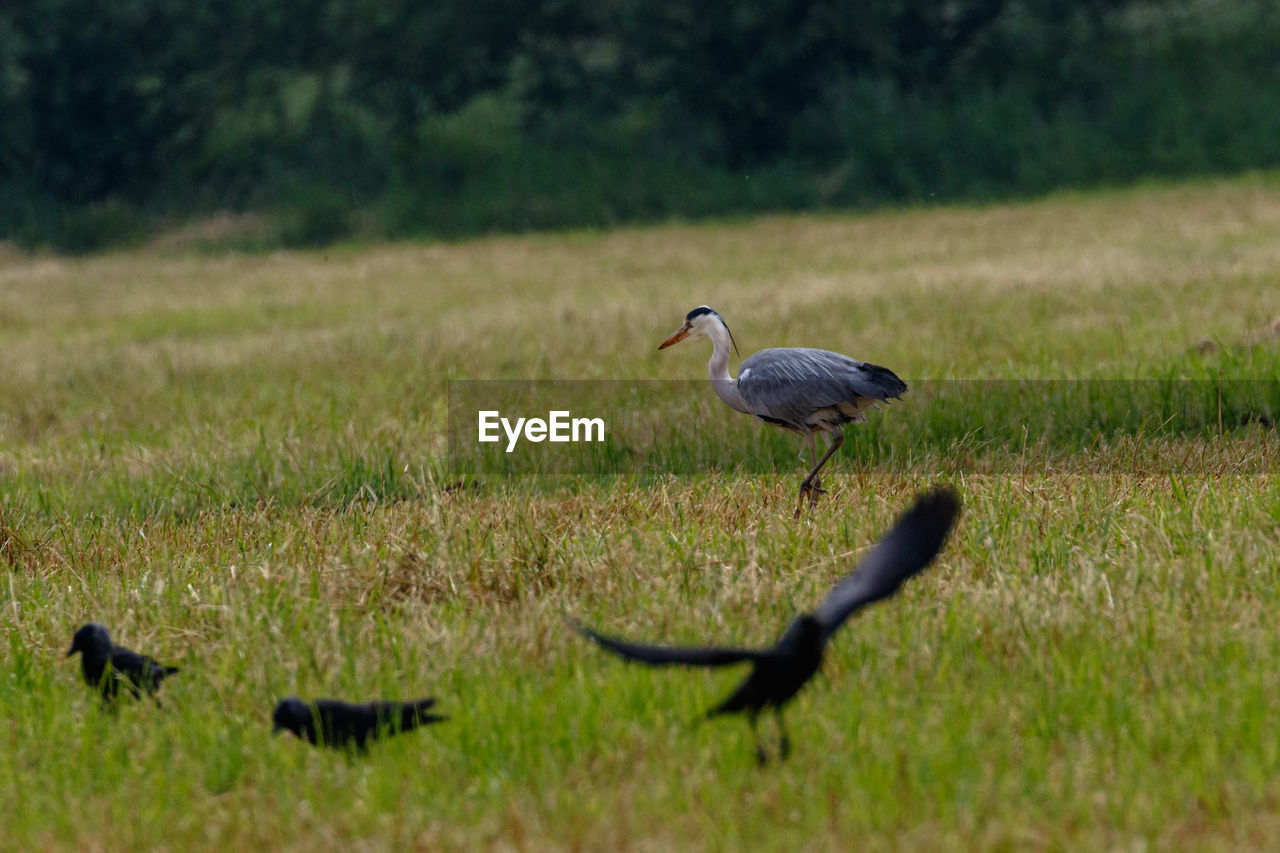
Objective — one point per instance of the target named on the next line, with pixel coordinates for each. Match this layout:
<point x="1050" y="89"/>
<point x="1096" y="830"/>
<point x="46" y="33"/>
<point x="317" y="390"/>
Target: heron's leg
<point x="815" y="485"/>
<point x="810" y="482"/>
<point x="813" y="450"/>
<point x="837" y="439"/>
<point x="762" y="757"/>
<point x="833" y="442"/>
<point x="784" y="738"/>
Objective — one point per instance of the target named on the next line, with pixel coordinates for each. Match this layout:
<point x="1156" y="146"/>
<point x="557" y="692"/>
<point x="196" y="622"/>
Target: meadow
<point x="239" y="462"/>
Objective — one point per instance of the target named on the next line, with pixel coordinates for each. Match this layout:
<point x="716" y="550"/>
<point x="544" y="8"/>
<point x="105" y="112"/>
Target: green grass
<point x="239" y="463"/>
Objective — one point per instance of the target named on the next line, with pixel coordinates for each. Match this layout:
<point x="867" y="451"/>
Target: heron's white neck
<point x="726" y="386"/>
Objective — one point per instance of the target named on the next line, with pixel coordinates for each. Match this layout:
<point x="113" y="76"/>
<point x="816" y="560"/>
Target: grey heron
<point x="803" y="390"/>
<point x="778" y="672"/>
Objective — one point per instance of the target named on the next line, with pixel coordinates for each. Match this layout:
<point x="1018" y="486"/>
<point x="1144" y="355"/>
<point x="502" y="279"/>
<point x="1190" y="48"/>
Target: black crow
<point x="107" y="666"/>
<point x="344" y="724"/>
<point x="778" y="673"/>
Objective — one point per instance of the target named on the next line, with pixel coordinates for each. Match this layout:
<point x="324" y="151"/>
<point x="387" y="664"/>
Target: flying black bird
<point x="778" y="673"/>
<point x="343" y="724"/>
<point x="107" y="666"/>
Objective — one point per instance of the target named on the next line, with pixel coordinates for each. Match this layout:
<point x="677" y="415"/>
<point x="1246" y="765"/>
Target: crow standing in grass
<point x="778" y="673"/>
<point x="107" y="666"/>
<point x="330" y="722"/>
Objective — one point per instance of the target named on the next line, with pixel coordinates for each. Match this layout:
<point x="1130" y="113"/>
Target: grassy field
<point x="238" y="462"/>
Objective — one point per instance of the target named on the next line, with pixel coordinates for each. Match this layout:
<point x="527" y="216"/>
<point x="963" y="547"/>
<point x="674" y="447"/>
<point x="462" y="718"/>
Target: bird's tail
<point x="885" y="380"/>
<point x="416" y="713"/>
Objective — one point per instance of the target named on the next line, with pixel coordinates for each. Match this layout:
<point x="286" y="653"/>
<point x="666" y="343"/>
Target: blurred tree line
<point x="452" y="117"/>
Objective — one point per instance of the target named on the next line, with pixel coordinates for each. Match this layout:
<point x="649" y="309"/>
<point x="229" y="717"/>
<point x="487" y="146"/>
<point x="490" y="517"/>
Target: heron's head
<point x="699" y="323"/>
<point x="292" y="714"/>
<point x="90" y="638"/>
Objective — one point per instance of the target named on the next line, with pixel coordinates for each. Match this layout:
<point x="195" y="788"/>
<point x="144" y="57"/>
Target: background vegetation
<point x="238" y="462"/>
<point x="328" y="118"/>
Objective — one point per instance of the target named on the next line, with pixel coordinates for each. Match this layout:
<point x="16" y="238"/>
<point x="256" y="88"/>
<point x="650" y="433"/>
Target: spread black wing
<point x="907" y="548"/>
<point x="662" y="655"/>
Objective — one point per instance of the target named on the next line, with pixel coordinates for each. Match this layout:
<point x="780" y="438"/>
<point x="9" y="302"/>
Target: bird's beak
<point x="677" y="336"/>
<point x="71" y="652"/>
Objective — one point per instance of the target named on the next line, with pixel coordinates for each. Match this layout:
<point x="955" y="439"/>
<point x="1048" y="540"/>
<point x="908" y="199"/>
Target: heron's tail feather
<point x="884" y="380"/>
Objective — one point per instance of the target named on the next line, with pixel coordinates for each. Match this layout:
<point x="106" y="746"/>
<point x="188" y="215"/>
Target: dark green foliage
<point x="452" y="117"/>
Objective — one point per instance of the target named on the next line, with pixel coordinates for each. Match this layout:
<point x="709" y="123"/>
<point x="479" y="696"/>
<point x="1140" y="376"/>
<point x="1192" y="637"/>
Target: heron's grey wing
<point x="662" y="655"/>
<point x="790" y="383"/>
<point x="907" y="548"/>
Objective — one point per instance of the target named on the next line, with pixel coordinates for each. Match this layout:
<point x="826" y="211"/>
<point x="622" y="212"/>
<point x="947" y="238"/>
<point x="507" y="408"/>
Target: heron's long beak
<point x="677" y="336"/>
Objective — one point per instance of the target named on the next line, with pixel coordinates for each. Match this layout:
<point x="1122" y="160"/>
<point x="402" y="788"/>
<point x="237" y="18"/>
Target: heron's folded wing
<point x="907" y="548"/>
<point x="661" y="655"/>
<point x="790" y="383"/>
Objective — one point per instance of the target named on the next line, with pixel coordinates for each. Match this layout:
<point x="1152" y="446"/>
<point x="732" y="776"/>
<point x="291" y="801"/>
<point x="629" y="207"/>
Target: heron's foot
<point x="813" y="499"/>
<point x="812" y="488"/>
